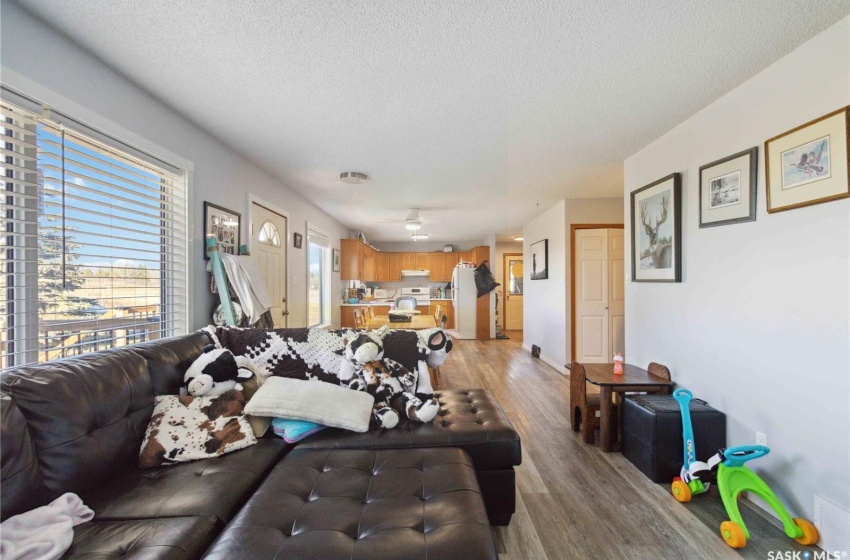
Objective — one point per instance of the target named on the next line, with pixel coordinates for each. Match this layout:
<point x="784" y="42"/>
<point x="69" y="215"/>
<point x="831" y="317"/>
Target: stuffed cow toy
<point x="217" y="371"/>
<point x="388" y="381"/>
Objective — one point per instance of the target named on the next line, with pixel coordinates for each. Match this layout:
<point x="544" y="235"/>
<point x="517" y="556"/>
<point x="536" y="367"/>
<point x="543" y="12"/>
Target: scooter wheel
<point x="733" y="534"/>
<point x="681" y="491"/>
<point x="810" y="532"/>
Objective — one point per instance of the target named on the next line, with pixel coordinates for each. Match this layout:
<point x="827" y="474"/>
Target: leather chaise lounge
<point x="76" y="425"/>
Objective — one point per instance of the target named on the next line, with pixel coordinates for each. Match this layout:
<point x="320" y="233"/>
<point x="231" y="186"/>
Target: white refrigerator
<point x="464" y="296"/>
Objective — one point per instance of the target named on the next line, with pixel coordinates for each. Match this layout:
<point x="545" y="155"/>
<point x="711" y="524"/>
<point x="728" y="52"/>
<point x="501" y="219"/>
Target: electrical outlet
<point x="761" y="438"/>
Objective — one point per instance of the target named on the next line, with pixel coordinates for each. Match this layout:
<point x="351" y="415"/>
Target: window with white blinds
<point x="94" y="243"/>
<point x="318" y="278"/>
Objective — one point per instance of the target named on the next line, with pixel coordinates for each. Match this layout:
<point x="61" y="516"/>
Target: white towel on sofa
<point x="44" y="533"/>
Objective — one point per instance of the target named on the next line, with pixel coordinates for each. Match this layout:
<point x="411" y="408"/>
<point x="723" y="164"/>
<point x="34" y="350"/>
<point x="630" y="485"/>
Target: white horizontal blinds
<point x="19" y="243"/>
<point x="317" y="238"/>
<point x="111" y="248"/>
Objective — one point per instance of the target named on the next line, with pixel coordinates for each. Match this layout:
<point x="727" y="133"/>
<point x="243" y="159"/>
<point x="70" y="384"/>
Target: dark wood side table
<point x="633" y="380"/>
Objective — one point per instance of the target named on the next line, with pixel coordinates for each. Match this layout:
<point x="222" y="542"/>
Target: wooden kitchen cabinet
<point x="382" y="267"/>
<point x="359" y="261"/>
<point x="395" y="268"/>
<point x="367" y="263"/>
<point x="437" y="267"/>
<point x="408" y="261"/>
<point x="349" y="266"/>
<point x="423" y="261"/>
<point x="346" y="315"/>
<point x="481" y="254"/>
<point x="451" y="262"/>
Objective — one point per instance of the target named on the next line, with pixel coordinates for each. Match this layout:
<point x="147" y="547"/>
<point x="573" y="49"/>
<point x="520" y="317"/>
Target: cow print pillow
<point x="190" y="428"/>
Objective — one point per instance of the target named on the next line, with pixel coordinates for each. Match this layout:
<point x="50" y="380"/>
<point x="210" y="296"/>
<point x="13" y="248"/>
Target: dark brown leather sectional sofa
<point x="76" y="425"/>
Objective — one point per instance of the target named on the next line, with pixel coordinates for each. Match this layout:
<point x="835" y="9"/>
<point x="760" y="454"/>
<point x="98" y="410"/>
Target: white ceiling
<point x="473" y="111"/>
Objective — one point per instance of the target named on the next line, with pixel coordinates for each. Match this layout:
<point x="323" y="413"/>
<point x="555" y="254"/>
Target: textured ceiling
<point x="473" y="111"/>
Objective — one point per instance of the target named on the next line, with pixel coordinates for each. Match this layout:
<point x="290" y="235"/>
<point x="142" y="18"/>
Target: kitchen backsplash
<point x="392" y="287"/>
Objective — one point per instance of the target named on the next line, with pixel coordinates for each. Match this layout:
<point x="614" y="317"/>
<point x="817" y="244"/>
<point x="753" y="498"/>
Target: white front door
<point x="513" y="292"/>
<point x="268" y="247"/>
<point x="599" y="294"/>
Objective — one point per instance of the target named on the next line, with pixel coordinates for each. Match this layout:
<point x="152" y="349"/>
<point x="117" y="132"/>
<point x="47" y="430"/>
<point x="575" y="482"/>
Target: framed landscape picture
<point x="656" y="211"/>
<point x="727" y="189"/>
<point x="809" y="164"/>
<point x="224" y="226"/>
<point x="540" y="260"/>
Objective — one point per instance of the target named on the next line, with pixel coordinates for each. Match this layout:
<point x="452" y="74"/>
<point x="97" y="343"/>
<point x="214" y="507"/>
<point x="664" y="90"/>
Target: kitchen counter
<point x="384" y="302"/>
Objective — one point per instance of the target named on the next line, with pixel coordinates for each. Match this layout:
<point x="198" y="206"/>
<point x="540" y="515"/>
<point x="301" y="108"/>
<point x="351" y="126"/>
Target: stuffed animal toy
<point x="439" y="344"/>
<point x="217" y="371"/>
<point x="388" y="381"/>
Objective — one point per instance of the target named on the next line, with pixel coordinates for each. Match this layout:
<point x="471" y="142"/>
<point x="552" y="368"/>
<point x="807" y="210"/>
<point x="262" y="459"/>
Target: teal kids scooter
<point x="732" y="479"/>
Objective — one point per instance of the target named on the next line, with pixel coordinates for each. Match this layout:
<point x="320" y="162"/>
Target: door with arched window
<point x="268" y="247"/>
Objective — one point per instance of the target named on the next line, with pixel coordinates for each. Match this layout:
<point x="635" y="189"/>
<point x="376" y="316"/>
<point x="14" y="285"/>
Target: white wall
<point x="544" y="304"/>
<point x="585" y="211"/>
<point x="45" y="64"/>
<point x="760" y="325"/>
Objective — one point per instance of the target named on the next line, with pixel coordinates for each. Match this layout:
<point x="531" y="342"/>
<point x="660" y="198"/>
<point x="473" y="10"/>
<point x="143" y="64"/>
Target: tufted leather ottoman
<point x="363" y="504"/>
<point x="470" y="419"/>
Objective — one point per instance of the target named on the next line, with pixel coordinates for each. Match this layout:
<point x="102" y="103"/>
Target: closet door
<point x="591" y="296"/>
<point x="599" y="294"/>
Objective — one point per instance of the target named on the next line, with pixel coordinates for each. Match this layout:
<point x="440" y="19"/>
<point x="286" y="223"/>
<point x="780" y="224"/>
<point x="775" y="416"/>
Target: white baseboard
<point x="547" y="360"/>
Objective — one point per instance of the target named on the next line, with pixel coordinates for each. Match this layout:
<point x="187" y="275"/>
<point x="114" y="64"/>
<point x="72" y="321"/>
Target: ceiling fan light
<point x="353" y="177"/>
<point x="412" y="226"/>
<point x="419" y="236"/>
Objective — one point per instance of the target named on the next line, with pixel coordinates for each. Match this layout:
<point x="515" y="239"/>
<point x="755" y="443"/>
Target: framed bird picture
<point x="809" y="164"/>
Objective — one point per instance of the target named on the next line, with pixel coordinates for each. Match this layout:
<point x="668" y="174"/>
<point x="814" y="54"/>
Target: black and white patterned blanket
<point x="316" y="353"/>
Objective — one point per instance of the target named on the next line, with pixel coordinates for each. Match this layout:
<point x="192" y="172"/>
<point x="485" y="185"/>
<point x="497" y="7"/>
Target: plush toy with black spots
<point x="439" y="344"/>
<point x="388" y="381"/>
<point x="217" y="371"/>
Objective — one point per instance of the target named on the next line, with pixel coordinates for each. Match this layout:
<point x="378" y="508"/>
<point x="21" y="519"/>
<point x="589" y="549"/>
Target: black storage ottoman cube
<point x="652" y="434"/>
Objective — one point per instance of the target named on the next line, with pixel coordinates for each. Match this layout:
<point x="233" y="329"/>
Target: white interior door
<point x="616" y="291"/>
<point x="268" y="247"/>
<point x="513" y="292"/>
<point x="591" y="296"/>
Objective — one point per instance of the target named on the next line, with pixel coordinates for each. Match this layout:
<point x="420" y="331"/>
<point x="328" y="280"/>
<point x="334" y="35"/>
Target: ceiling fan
<point x="412" y="222"/>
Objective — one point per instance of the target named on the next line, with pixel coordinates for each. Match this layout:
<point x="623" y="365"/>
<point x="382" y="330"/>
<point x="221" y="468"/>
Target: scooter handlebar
<point x="737" y="456"/>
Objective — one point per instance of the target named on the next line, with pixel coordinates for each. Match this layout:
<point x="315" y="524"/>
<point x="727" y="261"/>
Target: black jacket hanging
<point x="484" y="280"/>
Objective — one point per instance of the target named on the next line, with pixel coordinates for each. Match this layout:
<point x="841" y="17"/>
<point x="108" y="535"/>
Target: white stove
<point x="422" y="295"/>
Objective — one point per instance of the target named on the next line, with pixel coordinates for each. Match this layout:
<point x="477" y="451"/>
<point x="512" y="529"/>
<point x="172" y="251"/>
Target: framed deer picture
<point x="657" y="231"/>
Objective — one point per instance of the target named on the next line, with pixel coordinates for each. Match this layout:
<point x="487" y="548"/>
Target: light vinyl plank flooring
<point x="574" y="501"/>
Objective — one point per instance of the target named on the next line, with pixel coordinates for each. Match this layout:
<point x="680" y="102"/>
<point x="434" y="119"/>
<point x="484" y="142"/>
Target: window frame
<point x="47" y="105"/>
<point x="325" y="280"/>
